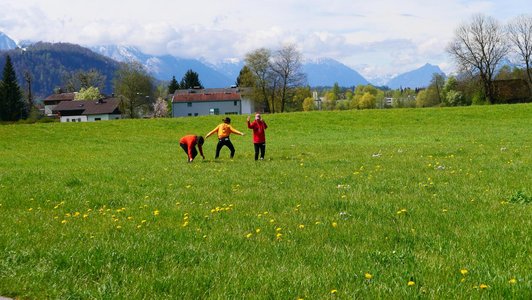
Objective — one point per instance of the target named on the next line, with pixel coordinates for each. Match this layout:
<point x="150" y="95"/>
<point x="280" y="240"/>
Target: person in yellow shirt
<point x="224" y="130"/>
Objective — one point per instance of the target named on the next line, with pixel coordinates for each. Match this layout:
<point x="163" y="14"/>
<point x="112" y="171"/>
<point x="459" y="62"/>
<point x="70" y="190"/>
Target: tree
<point x="173" y="86"/>
<point x="520" y="34"/>
<point x="437" y="83"/>
<point x="160" y="108"/>
<point x="287" y="65"/>
<point x="76" y="81"/>
<point x="258" y="63"/>
<point x="12" y="106"/>
<point x="309" y="104"/>
<point x="478" y="47"/>
<point x="300" y="94"/>
<point x="90" y="93"/>
<point x="190" y="80"/>
<point x="134" y="87"/>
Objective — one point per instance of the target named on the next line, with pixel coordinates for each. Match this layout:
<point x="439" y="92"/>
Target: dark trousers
<point x="224" y="142"/>
<point x="194" y="151"/>
<point x="262" y="148"/>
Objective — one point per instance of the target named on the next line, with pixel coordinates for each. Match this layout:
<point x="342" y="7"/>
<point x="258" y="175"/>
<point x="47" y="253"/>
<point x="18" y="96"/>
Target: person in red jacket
<point x="189" y="142"/>
<point x="259" y="136"/>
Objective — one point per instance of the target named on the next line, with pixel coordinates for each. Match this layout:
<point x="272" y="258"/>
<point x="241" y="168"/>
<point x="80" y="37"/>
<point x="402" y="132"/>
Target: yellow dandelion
<point x="483" y="286"/>
<point x="272" y="220"/>
<point x="334" y="291"/>
<point x="334" y="224"/>
<point x="464" y="272"/>
<point x="257" y="230"/>
<point x="30" y="209"/>
<point x="278" y="229"/>
<point x="118" y="227"/>
<point x="185" y="224"/>
<point x="143" y="221"/>
<point x="139" y="226"/>
<point x="155" y="212"/>
<point x="130" y="218"/>
<point x="301" y="226"/>
<point x="512" y="281"/>
<point x="64" y="222"/>
<point x="411" y="283"/>
<point x="85" y="216"/>
<point x="317" y="223"/>
<point x="278" y="235"/>
<point x="249" y="235"/>
<point x="368" y="276"/>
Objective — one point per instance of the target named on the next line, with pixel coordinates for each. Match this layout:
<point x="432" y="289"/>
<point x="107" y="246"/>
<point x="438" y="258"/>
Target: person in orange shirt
<point x="189" y="142"/>
<point x="224" y="130"/>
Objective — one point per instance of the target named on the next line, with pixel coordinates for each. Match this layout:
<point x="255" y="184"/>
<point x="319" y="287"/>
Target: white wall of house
<point x="204" y="108"/>
<point x="248" y="106"/>
<point x="103" y="117"/>
<point x="79" y="118"/>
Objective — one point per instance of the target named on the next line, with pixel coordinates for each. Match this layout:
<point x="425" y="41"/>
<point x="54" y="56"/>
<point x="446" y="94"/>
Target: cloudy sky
<point x="377" y="38"/>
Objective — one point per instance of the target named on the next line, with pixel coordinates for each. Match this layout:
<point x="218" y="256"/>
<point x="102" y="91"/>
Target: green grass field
<point x="409" y="203"/>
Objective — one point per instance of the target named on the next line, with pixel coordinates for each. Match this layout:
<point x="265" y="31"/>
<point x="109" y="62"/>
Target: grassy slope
<point x="112" y="209"/>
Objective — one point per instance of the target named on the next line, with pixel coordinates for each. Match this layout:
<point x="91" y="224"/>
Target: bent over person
<point x="259" y="136"/>
<point x="189" y="142"/>
<point x="224" y="130"/>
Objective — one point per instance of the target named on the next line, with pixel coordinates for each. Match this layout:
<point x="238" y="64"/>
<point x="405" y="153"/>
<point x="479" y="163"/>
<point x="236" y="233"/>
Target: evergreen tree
<point x="191" y="80"/>
<point x="12" y="106"/>
<point x="173" y="86"/>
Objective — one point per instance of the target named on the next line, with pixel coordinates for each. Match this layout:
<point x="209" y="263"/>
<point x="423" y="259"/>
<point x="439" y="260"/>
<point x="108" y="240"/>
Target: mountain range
<point x="321" y="72"/>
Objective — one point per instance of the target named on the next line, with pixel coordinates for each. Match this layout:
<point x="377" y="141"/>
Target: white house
<point x="88" y="110"/>
<point x="202" y="102"/>
<point x="53" y="100"/>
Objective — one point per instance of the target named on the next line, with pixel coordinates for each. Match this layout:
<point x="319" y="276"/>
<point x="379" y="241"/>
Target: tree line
<point x="274" y="79"/>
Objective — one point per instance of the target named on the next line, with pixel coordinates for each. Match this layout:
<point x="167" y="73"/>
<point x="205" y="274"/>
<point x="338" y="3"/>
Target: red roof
<point x="206" y="95"/>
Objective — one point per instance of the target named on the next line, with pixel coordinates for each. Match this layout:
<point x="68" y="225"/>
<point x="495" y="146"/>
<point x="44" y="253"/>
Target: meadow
<point x="391" y="204"/>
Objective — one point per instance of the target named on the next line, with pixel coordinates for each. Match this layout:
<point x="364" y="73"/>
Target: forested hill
<point x="49" y="64"/>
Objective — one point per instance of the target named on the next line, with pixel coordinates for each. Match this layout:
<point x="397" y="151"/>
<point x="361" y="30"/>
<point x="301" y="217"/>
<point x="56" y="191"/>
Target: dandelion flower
<point x="411" y="283"/>
<point x="512" y="281"/>
<point x="334" y="291"/>
<point x="185" y="224"/>
<point x="278" y="229"/>
<point x="368" y="276"/>
<point x="64" y="222"/>
<point x="257" y="230"/>
<point x="301" y="226"/>
<point x="118" y="227"/>
<point x="156" y="212"/>
<point x="464" y="272"/>
<point x="249" y="235"/>
<point x="483" y="286"/>
<point x="334" y="224"/>
<point x="143" y="221"/>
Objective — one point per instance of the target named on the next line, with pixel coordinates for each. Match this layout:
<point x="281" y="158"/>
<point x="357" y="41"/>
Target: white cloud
<point x="381" y="37"/>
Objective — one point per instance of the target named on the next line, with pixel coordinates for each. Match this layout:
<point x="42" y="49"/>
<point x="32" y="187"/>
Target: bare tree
<point x="478" y="47"/>
<point x="288" y="66"/>
<point x="520" y="34"/>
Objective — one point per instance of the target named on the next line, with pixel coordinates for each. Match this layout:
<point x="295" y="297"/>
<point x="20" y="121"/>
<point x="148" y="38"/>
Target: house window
<point x="97" y="119"/>
<point x="189" y="114"/>
<point x="214" y="111"/>
<point x="189" y="104"/>
<point x="195" y="114"/>
<point x="235" y="103"/>
<point x="68" y="120"/>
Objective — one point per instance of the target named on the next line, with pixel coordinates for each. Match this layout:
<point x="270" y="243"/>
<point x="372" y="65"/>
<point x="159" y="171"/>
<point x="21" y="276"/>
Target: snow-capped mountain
<point x="327" y="72"/>
<point x="163" y="67"/>
<point x="6" y="43"/>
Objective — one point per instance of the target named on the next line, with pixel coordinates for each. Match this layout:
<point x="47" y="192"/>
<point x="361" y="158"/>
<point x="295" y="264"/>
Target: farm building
<point x="202" y="102"/>
<point x="88" y="110"/>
